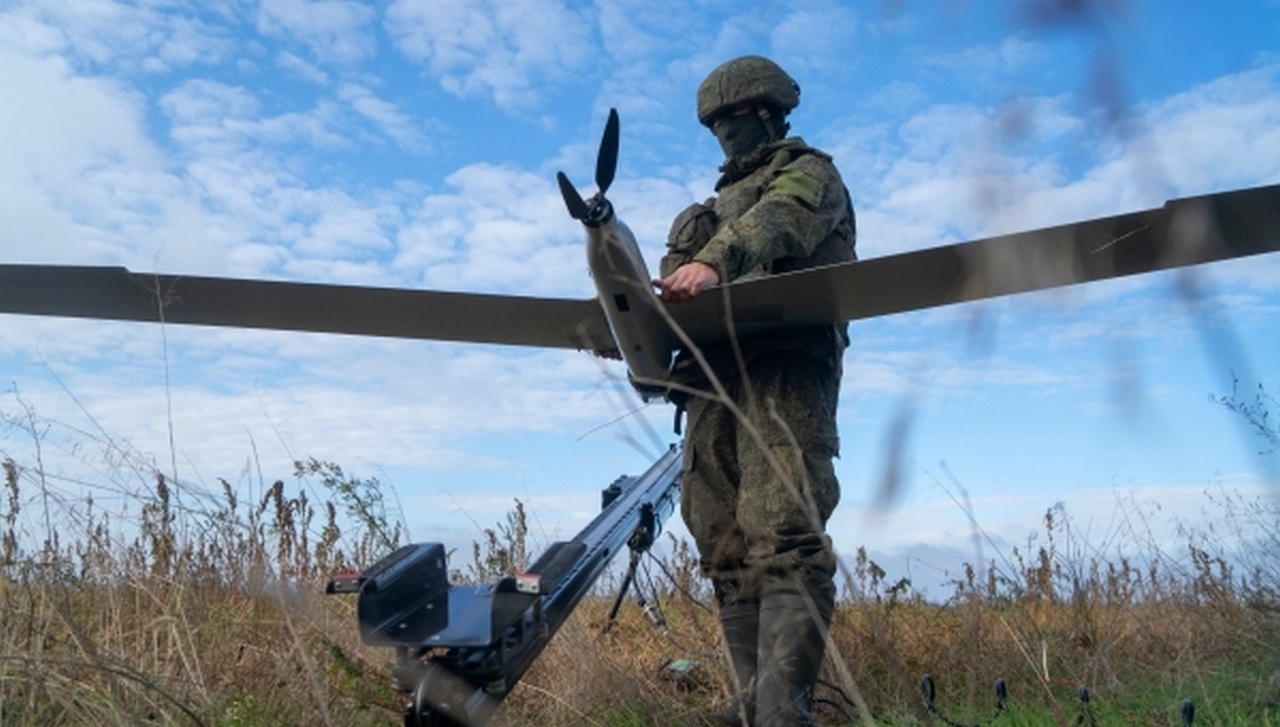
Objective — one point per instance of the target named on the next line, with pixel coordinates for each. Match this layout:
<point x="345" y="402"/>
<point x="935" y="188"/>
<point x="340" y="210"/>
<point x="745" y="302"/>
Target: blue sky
<point x="403" y="143"/>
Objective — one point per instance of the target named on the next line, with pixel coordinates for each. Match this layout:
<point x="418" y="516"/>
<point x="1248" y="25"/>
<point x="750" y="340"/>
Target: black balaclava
<point x="741" y="135"/>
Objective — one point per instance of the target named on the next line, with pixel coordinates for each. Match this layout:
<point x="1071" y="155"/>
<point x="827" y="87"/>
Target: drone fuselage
<point x="625" y="293"/>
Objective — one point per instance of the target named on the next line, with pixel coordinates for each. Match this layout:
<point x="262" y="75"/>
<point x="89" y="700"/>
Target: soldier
<point x="758" y="482"/>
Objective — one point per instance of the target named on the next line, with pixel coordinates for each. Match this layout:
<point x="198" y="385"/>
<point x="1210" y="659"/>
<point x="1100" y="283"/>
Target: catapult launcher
<point x="460" y="650"/>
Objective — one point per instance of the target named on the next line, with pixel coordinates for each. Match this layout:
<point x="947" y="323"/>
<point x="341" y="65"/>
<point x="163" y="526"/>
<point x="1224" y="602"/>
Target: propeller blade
<point x="1183" y="232"/>
<point x="607" y="158"/>
<point x="114" y="293"/>
<point x="578" y="209"/>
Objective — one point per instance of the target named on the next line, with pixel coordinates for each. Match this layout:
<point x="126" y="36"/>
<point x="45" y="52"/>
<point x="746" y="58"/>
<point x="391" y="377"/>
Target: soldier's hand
<point x="687" y="282"/>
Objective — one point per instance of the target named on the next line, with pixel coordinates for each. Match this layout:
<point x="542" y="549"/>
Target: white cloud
<point x="188" y="41"/>
<point x="302" y="68"/>
<point x="1235" y="118"/>
<point x="45" y="119"/>
<point x="114" y="34"/>
<point x="334" y="31"/>
<point x="262" y="204"/>
<point x="819" y="36"/>
<point x="952" y="172"/>
<point x="22" y="29"/>
<point x="213" y="119"/>
<point x="985" y="64"/>
<point x="353" y="399"/>
<point x="80" y="192"/>
<point x="635" y="31"/>
<point x="501" y="230"/>
<point x="386" y="116"/>
<point x="507" y="49"/>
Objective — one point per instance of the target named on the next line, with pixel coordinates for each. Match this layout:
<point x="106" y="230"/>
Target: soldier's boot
<point x="793" y="625"/>
<point x="740" y="622"/>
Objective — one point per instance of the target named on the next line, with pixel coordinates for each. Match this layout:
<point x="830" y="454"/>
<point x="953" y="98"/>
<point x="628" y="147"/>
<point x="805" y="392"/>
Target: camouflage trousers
<point x="759" y="483"/>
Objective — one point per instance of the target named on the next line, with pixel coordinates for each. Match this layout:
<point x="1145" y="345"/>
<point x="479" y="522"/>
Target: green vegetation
<point x="168" y="605"/>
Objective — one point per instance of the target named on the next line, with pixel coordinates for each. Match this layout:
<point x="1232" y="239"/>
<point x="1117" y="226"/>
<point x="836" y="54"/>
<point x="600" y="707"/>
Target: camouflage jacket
<point x="784" y="209"/>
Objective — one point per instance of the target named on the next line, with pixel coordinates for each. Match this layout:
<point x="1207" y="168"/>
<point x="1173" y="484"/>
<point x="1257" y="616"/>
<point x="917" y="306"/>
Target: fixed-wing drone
<point x="461" y="650"/>
<point x="627" y="319"/>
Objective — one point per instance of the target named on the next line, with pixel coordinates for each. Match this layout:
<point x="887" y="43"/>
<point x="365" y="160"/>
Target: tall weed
<point x="127" y="597"/>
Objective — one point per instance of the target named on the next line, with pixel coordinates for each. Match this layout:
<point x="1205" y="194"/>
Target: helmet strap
<point x="775" y="120"/>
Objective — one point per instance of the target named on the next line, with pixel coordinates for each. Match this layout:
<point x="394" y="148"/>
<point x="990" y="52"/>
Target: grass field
<point x="160" y="604"/>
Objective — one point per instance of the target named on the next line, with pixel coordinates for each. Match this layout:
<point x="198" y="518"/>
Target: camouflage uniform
<point x="783" y="208"/>
<point x="758" y="482"/>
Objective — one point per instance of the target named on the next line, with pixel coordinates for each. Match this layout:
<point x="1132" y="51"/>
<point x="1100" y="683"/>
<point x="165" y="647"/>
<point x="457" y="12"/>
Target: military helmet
<point x="749" y="79"/>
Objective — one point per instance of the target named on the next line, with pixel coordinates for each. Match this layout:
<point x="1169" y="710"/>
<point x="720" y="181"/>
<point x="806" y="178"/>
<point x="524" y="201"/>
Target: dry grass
<point x="175" y="606"/>
<point x="1141" y="640"/>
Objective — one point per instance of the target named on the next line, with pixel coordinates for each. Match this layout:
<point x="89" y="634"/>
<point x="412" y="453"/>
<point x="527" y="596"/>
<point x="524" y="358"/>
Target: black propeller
<point x="578" y="208"/>
<point x="607" y="158"/>
<point x="597" y="210"/>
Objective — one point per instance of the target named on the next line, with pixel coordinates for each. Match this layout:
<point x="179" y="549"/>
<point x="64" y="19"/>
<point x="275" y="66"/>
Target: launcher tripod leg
<point x="627" y="580"/>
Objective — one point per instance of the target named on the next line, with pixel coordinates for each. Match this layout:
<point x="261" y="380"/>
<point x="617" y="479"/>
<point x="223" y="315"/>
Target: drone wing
<point x="1183" y="232"/>
<point x="115" y="293"/>
<point x="1187" y="231"/>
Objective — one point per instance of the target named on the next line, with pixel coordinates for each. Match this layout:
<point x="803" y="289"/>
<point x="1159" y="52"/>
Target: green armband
<point x="802" y="186"/>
